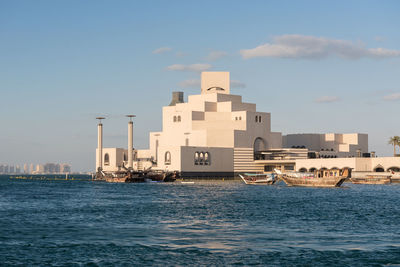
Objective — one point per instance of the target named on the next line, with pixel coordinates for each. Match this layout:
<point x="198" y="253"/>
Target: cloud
<point x="392" y="97"/>
<point x="192" y="83"/>
<point x="181" y="54"/>
<point x="237" y="84"/>
<point x="214" y="55"/>
<point x="193" y="67"/>
<point x="161" y="50"/>
<point x="327" y="99"/>
<point x="310" y="47"/>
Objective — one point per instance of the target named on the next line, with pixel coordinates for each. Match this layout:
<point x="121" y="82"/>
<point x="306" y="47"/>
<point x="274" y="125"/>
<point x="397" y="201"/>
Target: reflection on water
<point x="57" y="222"/>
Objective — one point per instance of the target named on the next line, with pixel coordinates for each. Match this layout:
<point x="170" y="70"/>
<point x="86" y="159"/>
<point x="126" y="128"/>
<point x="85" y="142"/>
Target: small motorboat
<point x="255" y="179"/>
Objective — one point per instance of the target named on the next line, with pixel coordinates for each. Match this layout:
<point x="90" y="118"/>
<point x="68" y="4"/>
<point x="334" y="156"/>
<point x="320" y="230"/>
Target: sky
<point x="317" y="66"/>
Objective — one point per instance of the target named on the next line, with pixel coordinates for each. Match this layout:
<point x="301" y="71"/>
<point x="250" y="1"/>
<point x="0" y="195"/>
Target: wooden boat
<point x="373" y="179"/>
<point x="254" y="179"/>
<point x="323" y="178"/>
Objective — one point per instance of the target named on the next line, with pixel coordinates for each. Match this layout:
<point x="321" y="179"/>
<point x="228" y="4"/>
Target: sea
<point x="53" y="221"/>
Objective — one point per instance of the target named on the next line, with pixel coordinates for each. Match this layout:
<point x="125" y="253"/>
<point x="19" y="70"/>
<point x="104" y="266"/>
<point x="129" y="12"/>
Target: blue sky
<point x="317" y="66"/>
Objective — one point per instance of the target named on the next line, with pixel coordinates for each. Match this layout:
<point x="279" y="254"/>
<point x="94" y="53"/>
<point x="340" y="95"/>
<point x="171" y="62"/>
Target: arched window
<point x="125" y="157"/>
<point x="167" y="159"/>
<point x="196" y="158"/>
<point x="174" y="118"/>
<point x="106" y="159"/>
<point x="240" y="118"/>
<point x="259" y="118"/>
<point x="207" y="159"/>
<point x="256" y="118"/>
<point x="236" y="118"/>
<point x="179" y="118"/>
<point x="201" y="158"/>
<point x="394" y="169"/>
<point x="379" y="168"/>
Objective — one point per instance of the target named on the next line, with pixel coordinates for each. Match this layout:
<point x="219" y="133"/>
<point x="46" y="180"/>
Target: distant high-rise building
<point x="26" y="168"/>
<point x="65" y="168"/>
<point x="1" y="168"/>
<point x="40" y="168"/>
<point x="31" y="168"/>
<point x="12" y="169"/>
<point x="6" y="170"/>
<point x="17" y="169"/>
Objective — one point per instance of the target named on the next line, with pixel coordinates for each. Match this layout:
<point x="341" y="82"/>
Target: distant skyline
<point x="317" y="66"/>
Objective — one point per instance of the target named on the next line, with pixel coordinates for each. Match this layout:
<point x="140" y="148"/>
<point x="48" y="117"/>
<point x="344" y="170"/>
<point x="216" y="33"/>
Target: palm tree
<point x="395" y="141"/>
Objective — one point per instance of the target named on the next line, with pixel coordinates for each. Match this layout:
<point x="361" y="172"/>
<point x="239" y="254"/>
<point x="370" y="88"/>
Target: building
<point x="213" y="134"/>
<point x="216" y="134"/>
<point x="329" y="145"/>
<point x="31" y="168"/>
<point x="26" y="168"/>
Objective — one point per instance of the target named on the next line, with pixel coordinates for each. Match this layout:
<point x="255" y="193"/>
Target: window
<point x="256" y="118"/>
<point x="106" y="159"/>
<point x="207" y="160"/>
<point x="177" y="118"/>
<point x="236" y="118"/>
<point x="125" y="157"/>
<point x="202" y="158"/>
<point x="259" y="118"/>
<point x="240" y="118"/>
<point x="167" y="159"/>
<point x="268" y="168"/>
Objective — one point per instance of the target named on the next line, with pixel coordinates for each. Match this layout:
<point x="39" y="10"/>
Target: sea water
<point x="81" y="222"/>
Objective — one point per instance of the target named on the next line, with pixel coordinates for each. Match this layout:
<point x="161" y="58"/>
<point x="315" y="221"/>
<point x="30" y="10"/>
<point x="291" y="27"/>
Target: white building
<point x="216" y="134"/>
<point x="330" y="144"/>
<point x="213" y="134"/>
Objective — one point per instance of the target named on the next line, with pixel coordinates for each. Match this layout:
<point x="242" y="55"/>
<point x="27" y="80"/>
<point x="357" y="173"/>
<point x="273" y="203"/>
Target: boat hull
<point x="258" y="180"/>
<point x="314" y="182"/>
<point x="371" y="180"/>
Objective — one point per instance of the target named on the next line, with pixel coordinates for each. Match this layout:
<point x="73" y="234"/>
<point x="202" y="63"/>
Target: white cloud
<point x="181" y="54"/>
<point x="310" y="47"/>
<point x="161" y="50"/>
<point x="214" y="55"/>
<point x="237" y="84"/>
<point x="379" y="38"/>
<point x="192" y="83"/>
<point x="193" y="67"/>
<point x="327" y="99"/>
<point x="392" y="97"/>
